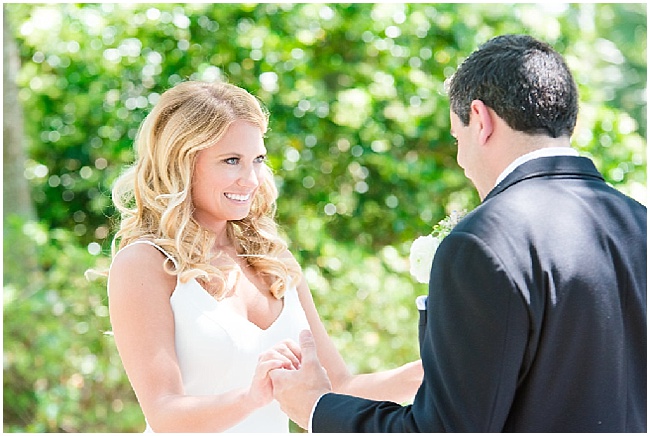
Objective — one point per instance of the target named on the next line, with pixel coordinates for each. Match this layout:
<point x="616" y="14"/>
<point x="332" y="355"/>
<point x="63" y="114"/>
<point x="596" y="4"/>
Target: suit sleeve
<point x="472" y="349"/>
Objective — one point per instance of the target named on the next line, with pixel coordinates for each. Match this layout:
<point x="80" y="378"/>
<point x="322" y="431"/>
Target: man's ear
<point x="483" y="116"/>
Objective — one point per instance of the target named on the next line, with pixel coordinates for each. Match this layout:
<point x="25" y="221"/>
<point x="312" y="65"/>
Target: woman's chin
<point x="239" y="216"/>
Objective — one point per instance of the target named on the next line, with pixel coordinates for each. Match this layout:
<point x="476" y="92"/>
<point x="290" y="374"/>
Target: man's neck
<point x="518" y="144"/>
<point x="512" y="149"/>
<point x="540" y="152"/>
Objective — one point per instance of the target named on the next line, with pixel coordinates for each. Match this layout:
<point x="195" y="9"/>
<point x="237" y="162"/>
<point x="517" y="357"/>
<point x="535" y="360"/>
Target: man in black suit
<point x="536" y="314"/>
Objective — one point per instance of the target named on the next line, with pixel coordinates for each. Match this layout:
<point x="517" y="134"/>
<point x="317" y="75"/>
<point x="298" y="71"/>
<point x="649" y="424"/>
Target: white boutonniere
<point x="424" y="247"/>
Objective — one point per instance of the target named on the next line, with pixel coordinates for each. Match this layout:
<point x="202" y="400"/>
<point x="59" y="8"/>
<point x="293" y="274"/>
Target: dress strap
<point x="145" y="241"/>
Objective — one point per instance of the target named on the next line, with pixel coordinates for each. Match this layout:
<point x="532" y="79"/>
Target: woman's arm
<point x="143" y="327"/>
<point x="398" y="384"/>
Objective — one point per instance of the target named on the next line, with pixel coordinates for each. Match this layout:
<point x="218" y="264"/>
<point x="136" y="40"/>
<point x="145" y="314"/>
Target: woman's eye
<point x="232" y="160"/>
<point x="260" y="159"/>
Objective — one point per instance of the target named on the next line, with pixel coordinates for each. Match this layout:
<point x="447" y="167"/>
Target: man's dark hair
<point x="523" y="80"/>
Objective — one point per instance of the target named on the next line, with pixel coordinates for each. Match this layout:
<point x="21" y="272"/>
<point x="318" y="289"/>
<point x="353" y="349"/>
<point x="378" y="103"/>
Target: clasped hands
<point x="292" y="375"/>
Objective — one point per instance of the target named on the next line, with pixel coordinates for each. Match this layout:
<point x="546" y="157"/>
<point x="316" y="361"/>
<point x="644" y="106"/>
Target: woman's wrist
<point x="254" y="399"/>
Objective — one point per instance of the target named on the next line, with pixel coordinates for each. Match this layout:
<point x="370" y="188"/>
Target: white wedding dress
<point x="217" y="349"/>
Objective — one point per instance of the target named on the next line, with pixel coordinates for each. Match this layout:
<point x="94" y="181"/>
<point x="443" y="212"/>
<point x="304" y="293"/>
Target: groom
<point x="536" y="315"/>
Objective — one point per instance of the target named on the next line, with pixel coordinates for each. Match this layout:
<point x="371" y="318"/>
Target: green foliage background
<point x="359" y="142"/>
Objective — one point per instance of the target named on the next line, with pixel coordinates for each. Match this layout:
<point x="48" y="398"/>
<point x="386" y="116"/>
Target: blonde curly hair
<point x="154" y="198"/>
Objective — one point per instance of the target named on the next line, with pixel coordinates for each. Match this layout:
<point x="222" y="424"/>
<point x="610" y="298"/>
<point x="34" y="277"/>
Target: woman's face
<point x="227" y="175"/>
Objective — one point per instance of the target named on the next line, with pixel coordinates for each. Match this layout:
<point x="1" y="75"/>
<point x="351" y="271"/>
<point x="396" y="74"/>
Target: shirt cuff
<point x="311" y="415"/>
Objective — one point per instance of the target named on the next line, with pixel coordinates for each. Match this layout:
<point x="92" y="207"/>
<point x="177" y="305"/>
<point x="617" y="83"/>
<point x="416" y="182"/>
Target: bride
<point x="205" y="299"/>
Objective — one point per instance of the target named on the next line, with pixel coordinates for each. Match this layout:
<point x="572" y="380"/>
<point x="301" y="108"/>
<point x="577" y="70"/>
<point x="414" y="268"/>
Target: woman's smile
<point x="237" y="197"/>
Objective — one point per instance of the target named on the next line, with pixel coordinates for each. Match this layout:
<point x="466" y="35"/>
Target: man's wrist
<point x="311" y="415"/>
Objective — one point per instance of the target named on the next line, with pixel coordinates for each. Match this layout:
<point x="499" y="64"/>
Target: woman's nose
<point x="249" y="178"/>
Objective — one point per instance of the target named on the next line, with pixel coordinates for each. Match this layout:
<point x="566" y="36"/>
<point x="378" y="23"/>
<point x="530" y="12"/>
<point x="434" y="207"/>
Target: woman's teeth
<point x="238" y="197"/>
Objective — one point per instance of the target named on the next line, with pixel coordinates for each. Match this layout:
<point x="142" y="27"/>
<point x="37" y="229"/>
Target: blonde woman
<point x="205" y="299"/>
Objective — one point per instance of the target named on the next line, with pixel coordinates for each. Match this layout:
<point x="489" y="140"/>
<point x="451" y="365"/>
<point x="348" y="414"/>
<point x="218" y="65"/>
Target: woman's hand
<point x="285" y="355"/>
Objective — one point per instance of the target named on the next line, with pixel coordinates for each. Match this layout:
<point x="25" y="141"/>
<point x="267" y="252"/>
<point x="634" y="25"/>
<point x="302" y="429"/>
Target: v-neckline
<point x="234" y="314"/>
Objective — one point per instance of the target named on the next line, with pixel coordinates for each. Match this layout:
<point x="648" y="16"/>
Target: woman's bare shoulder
<point x="139" y="256"/>
<point x="287" y="256"/>
<point x="141" y="266"/>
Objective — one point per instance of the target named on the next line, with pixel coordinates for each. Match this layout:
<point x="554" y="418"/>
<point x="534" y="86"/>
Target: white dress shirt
<point x="542" y="152"/>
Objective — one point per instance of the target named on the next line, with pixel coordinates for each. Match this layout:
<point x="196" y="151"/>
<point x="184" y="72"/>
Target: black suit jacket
<point x="536" y="316"/>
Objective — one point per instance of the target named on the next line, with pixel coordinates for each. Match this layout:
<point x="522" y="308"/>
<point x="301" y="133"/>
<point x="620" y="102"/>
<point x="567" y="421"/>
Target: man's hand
<point x="298" y="390"/>
<point x="285" y="354"/>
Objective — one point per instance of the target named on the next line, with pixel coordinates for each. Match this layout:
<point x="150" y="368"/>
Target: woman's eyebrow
<point x="229" y="154"/>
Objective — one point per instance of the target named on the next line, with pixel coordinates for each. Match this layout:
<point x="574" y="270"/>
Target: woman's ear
<point x="483" y="116"/>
